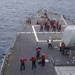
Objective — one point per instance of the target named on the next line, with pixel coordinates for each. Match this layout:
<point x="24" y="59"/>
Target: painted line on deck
<point x="22" y="32"/>
<point x="28" y="32"/>
<point x="63" y="20"/>
<point x="35" y="33"/>
<point x="42" y="41"/>
<point x="46" y="41"/>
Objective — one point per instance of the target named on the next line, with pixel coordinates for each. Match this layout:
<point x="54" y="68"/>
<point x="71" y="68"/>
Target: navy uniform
<point x="63" y="48"/>
<point x="41" y="27"/>
<point x="49" y="43"/>
<point x="22" y="60"/>
<point x="33" y="59"/>
<point x="38" y="52"/>
<point x="28" y="21"/>
<point x="43" y="59"/>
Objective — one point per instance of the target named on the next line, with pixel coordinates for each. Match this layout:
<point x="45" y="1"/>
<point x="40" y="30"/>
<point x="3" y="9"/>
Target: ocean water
<point x="13" y="14"/>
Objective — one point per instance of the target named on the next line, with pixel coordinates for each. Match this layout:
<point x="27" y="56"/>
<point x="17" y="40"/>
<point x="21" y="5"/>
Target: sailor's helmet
<point x="49" y="37"/>
<point x="39" y="46"/>
<point x="22" y="57"/>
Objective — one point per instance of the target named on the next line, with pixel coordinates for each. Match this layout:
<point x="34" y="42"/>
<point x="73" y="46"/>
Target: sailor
<point x="28" y="21"/>
<point x="22" y="60"/>
<point x="33" y="59"/>
<point x="38" y="52"/>
<point x="63" y="47"/>
<point x="43" y="59"/>
<point x="59" y="27"/>
<point x="46" y="14"/>
<point x="60" y="45"/>
<point x="45" y="25"/>
<point x="52" y="24"/>
<point x="41" y="27"/>
<point x="57" y="23"/>
<point x="49" y="43"/>
<point x="48" y="25"/>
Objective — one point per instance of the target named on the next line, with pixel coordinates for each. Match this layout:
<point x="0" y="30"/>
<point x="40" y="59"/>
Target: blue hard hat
<point x="39" y="47"/>
<point x="33" y="54"/>
<point x="22" y="57"/>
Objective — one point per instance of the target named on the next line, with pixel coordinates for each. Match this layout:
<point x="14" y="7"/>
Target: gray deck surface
<point x="26" y="45"/>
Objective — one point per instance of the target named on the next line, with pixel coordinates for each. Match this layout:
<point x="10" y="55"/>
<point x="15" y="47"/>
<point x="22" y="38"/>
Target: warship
<point x="26" y="41"/>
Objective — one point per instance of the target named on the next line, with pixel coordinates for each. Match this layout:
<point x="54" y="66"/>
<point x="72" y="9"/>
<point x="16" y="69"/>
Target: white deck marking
<point x="42" y="41"/>
<point x="46" y="41"/>
<point x="57" y="40"/>
<point x="62" y="25"/>
<point x="39" y="32"/>
<point x="35" y="33"/>
<point x="22" y="32"/>
<point x="28" y="32"/>
<point x="63" y="20"/>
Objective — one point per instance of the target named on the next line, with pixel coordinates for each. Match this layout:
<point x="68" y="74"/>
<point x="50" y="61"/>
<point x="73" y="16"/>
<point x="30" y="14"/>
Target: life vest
<point x="48" y="23"/>
<point x="45" y="24"/>
<point x="33" y="58"/>
<point x="23" y="60"/>
<point x="55" y="25"/>
<point x="43" y="56"/>
<point x="38" y="50"/>
<point x="63" y="45"/>
<point x="52" y="22"/>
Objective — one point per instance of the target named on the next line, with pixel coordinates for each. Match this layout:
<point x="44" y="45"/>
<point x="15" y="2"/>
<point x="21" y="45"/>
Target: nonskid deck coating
<point x="26" y="44"/>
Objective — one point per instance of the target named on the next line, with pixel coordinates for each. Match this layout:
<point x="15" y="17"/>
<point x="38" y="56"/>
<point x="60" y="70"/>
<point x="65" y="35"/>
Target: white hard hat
<point x="49" y="37"/>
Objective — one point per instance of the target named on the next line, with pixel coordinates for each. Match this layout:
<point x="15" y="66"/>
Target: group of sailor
<point x="40" y="59"/>
<point x="47" y="24"/>
<point x="52" y="25"/>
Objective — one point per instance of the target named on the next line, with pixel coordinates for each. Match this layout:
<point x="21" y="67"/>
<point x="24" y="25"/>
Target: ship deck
<point x="26" y="42"/>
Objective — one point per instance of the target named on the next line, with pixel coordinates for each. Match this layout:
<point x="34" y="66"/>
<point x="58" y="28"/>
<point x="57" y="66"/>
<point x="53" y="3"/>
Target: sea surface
<point x="13" y="14"/>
